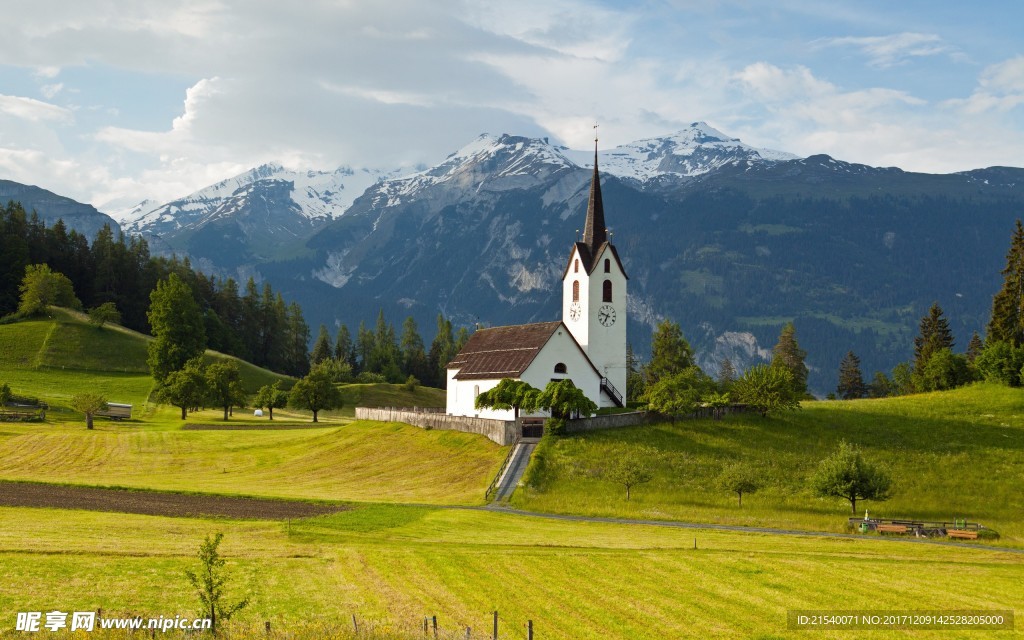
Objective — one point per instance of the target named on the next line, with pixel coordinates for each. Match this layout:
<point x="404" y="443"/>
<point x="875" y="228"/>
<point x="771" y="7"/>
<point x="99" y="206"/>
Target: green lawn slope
<point x="956" y="454"/>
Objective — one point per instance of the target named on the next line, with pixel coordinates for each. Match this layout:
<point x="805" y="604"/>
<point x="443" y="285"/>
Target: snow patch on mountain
<point x="694" y="151"/>
<point x="318" y="196"/>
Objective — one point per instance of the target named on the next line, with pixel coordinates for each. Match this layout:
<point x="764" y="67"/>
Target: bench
<point x="961" y="533"/>
<point x="892" y="528"/>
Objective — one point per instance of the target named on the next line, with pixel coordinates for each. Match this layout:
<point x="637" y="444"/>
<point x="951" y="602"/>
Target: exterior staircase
<point x="613" y="393"/>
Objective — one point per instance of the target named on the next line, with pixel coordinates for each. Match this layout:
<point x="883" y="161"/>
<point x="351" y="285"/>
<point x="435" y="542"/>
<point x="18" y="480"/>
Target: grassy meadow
<point x="415" y="542"/>
<point x="958" y="454"/>
<point x="393" y="565"/>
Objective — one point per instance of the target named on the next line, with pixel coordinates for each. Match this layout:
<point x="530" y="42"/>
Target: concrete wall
<point x="613" y="421"/>
<point x="503" y="432"/>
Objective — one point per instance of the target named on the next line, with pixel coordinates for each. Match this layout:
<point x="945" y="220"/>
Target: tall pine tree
<point x="935" y="336"/>
<point x="322" y="349"/>
<point x="851" y="380"/>
<point x="1007" y="323"/>
<point x="788" y="355"/>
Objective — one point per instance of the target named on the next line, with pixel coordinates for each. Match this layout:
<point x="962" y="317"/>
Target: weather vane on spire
<point x="595" y="133"/>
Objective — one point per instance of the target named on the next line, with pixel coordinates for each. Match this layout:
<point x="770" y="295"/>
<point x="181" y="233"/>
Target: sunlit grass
<point x="393" y="565"/>
<point x="952" y="455"/>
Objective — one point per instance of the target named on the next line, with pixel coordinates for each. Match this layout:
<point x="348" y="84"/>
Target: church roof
<point x="595" y="234"/>
<point x="594" y="231"/>
<point x="502" y="352"/>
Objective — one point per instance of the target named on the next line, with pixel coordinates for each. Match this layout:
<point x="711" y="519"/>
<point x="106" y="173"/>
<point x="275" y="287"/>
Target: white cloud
<point x="49" y="91"/>
<point x="894" y="49"/>
<point x="1000" y="89"/>
<point x="34" y="110"/>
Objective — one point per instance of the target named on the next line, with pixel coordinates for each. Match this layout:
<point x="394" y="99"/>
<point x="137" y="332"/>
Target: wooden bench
<point x="962" y="533"/>
<point x="892" y="528"/>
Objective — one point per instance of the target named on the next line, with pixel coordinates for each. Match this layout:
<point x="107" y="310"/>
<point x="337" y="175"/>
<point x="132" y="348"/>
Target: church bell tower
<point x="594" y="298"/>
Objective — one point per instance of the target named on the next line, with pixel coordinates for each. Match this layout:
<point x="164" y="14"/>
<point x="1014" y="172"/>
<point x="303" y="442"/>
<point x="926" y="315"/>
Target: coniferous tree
<point x="414" y="357"/>
<point x="974" y="347"/>
<point x="1007" y="323"/>
<point x="442" y="350"/>
<point x="851" y="381"/>
<point x="344" y="348"/>
<point x="297" y="337"/>
<point x="788" y="354"/>
<point x="935" y="336"/>
<point x="322" y="349"/>
<point x="670" y="353"/>
<point x="726" y="374"/>
<point x="365" y="348"/>
<point x="461" y="338"/>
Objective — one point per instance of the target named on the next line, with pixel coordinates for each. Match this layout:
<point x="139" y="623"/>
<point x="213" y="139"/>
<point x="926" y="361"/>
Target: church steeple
<point x="594" y="232"/>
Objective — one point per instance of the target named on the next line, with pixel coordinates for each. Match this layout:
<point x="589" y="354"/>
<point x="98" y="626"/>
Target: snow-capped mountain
<point x="318" y="196"/>
<point x="697" y="150"/>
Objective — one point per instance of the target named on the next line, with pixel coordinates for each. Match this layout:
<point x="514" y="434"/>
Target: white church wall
<point x="579" y="326"/>
<point x="561" y="349"/>
<point x="607" y="343"/>
<point x="462" y="398"/>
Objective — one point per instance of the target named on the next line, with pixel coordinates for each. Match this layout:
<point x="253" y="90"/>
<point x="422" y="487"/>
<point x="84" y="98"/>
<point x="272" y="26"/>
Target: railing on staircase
<point x="504" y="465"/>
<point x="612" y="392"/>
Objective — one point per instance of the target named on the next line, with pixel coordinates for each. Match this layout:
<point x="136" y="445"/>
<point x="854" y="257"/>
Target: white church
<point x="587" y="346"/>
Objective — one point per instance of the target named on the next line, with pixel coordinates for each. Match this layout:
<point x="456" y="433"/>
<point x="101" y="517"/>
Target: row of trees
<point x="844" y="474"/>
<point x="673" y="385"/>
<point x="380" y="354"/>
<point x="936" y="367"/>
<point x="118" y="273"/>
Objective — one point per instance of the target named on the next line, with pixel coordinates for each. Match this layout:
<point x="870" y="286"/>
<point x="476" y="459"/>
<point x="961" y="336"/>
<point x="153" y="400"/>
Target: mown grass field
<point x="361" y="461"/>
<point x="393" y="565"/>
<point x="958" y="454"/>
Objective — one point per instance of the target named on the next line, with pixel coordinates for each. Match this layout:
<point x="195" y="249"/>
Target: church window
<point x="607" y="290"/>
<point x="561" y="368"/>
<point x="575" y="290"/>
<point x="607" y="265"/>
<point x="576" y="267"/>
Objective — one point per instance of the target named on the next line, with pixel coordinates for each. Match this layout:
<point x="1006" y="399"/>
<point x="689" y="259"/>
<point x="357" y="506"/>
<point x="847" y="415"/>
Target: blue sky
<point x="113" y="101"/>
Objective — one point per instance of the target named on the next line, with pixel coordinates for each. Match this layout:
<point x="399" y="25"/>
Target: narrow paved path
<point x="515" y="470"/>
<point x="502" y="508"/>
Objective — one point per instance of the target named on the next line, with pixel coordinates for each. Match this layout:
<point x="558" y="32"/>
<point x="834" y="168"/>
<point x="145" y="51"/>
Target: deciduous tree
<point x="270" y="397"/>
<point x="679" y="394"/>
<point x="509" y="394"/>
<point x="629" y="466"/>
<point x="42" y="287"/>
<point x="184" y="388"/>
<point x="316" y="392"/>
<point x="106" y="312"/>
<point x="564" y="399"/>
<point x="90" y="404"/>
<point x="179" y="333"/>
<point x="845" y="474"/>
<point x="739" y="478"/>
<point x="224" y="385"/>
<point x="767" y="389"/>
<point x="209" y="582"/>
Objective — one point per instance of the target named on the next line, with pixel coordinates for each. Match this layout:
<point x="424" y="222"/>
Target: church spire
<point x="594" y="232"/>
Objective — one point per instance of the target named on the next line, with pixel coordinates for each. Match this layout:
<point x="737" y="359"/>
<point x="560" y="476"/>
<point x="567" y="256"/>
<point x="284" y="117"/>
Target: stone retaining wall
<point x="503" y="432"/>
<point x="610" y="421"/>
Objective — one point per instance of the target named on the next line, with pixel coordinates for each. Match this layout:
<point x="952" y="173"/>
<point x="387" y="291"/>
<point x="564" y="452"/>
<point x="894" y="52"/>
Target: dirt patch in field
<point x="256" y="427"/>
<point x="157" y="503"/>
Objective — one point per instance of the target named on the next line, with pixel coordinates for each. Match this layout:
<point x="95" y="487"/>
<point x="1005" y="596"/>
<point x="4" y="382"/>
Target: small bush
<point x="368" y="377"/>
<point x="411" y="383"/>
<point x="555" y="426"/>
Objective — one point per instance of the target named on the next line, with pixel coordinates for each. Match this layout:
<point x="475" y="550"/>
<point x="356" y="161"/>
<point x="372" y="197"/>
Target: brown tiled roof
<point x="502" y="352"/>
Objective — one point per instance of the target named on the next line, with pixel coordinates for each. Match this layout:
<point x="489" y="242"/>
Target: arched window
<point x="607" y="265"/>
<point x="576" y="267"/>
<point x="560" y="368"/>
<point x="575" y="290"/>
<point x="607" y="290"/>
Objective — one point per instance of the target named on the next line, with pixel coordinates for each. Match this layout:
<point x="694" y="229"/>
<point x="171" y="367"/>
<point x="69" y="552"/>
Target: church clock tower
<point x="594" y="299"/>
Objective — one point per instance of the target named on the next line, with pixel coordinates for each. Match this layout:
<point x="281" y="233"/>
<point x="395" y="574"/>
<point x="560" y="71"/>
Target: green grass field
<point x="410" y="549"/>
<point x="393" y="565"/>
<point x="954" y="454"/>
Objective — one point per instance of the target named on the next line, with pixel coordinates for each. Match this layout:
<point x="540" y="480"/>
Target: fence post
<point x="467" y="633"/>
<point x="495" y="626"/>
<point x="435" y="626"/>
<point x="529" y="629"/>
<point x="355" y="625"/>
<point x="266" y="626"/>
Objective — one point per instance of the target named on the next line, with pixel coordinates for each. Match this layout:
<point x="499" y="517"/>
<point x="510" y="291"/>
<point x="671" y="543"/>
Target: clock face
<point x="575" y="311"/>
<point x="606" y="315"/>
